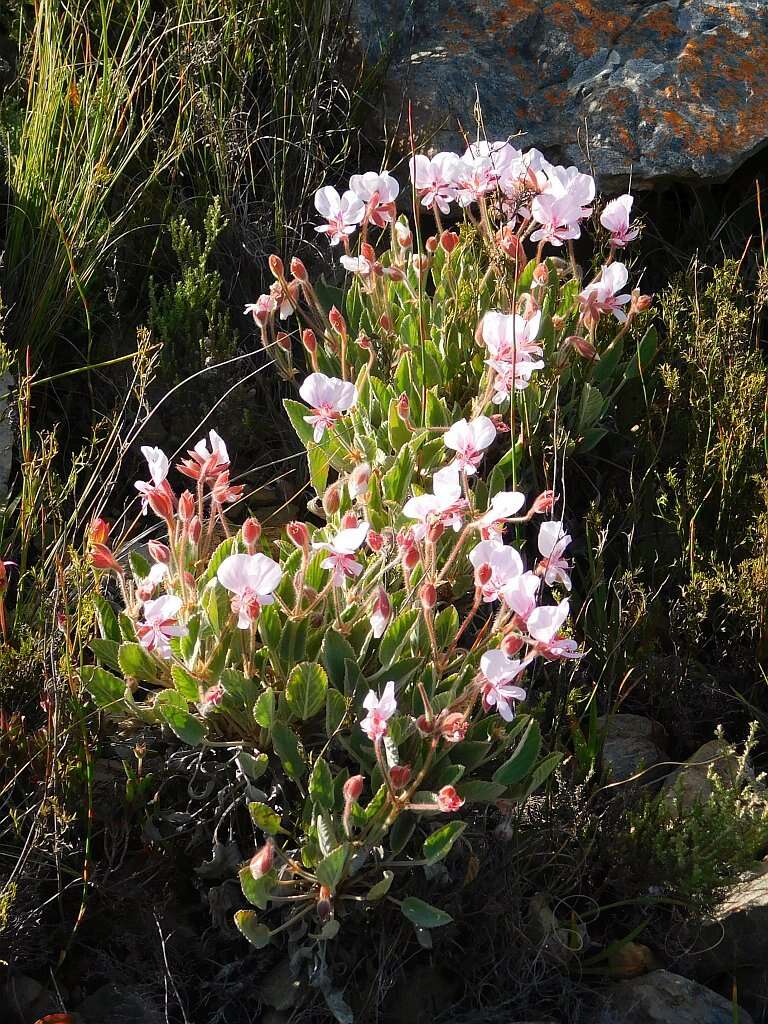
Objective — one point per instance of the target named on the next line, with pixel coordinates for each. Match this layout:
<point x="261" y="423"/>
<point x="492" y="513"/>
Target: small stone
<point x="665" y="998"/>
<point x="631" y="960"/>
<point x="690" y="783"/>
<point x="632" y="746"/>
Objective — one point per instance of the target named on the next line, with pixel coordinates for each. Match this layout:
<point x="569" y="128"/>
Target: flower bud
<point x="424" y="725"/>
<point x="299" y="534"/>
<point x="332" y="499"/>
<point x="284" y="341"/>
<point x="420" y="263"/>
<point x="365" y="343"/>
<point x="511" y="246"/>
<point x="262" y="860"/>
<point x="194" y="529"/>
<point x="98" y="531"/>
<point x="431" y="244"/>
<point x="337" y="321"/>
<point x="102" y="558"/>
<point x="541" y="274"/>
<point x="368" y="252"/>
<point x="251" y="532"/>
<point x="403" y="235"/>
<point x="186" y="506"/>
<point x="400" y="774"/>
<point x="159" y="552"/>
<point x="298" y="270"/>
<point x="544" y="502"/>
<point x="385" y="322"/>
<point x="276" y="266"/>
<point x="512" y="644"/>
<point x="359" y="479"/>
<point x="189" y="579"/>
<point x="453" y="727"/>
<point x="308" y="340"/>
<point x="428" y="596"/>
<point x="213" y="696"/>
<point x="502" y="427"/>
<point x="145" y="590"/>
<point x="483" y="574"/>
<point x="411" y="558"/>
<point x="349" y="521"/>
<point x="434" y="532"/>
<point x="640" y="303"/>
<point x="448" y="800"/>
<point x="375" y="541"/>
<point x="161" y="502"/>
<point x="324" y="904"/>
<point x="448" y="241"/>
<point x="403" y="407"/>
<point x="353" y="789"/>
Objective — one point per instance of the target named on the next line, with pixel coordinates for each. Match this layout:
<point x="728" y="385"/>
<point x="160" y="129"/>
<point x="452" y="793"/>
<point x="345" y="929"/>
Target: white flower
<point x="446" y="505"/>
<point x="342" y="213"/>
<point x="600" y="296"/>
<point x="159" y="624"/>
<point x="504" y="562"/>
<point x="544" y="627"/>
<point x="615" y="218"/>
<point x="252" y="580"/>
<point x="435" y="179"/>
<point x="469" y="441"/>
<point x="504" y="505"/>
<point x="553" y="540"/>
<point x="499" y="672"/>
<point x="329" y="397"/>
<point x="380" y="710"/>
<point x="342" y="547"/>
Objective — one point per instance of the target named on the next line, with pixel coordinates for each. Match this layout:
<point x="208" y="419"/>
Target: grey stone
<point x="674" y="89"/>
<point x="690" y="783"/>
<point x="665" y="998"/>
<point x="632" y="746"/>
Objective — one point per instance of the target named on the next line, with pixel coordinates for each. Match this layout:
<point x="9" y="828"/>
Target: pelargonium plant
<point x="370" y="672"/>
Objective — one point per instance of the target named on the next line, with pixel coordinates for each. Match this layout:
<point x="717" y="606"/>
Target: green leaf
<point x="335" y="710"/>
<point x="257" y="934"/>
<point x="381" y="888"/>
<point x="226" y="548"/>
<point x="265" y="818"/>
<point x="538" y="777"/>
<point x="641" y="360"/>
<point x="591" y="406"/>
<point x="127" y="628"/>
<point x="401" y="831"/>
<point x="136" y="661"/>
<point x="321" y="785"/>
<point x="446" y="626"/>
<point x="424" y="915"/>
<point x="173" y="709"/>
<point x="286" y="746"/>
<point x="107" y="690"/>
<point x="399" y="435"/>
<point x="306" y="690"/>
<point x="478" y="791"/>
<point x="440" y="843"/>
<point x="252" y="767"/>
<point x="139" y="565"/>
<point x="106" y="618"/>
<point x="396" y="480"/>
<point x="397" y="635"/>
<point x="106" y="651"/>
<point x="264" y="709"/>
<point x="238" y="686"/>
<point x="185" y="683"/>
<point x="257" y="890"/>
<point x="523" y="759"/>
<point x="334" y="652"/>
<point x="331" y="868"/>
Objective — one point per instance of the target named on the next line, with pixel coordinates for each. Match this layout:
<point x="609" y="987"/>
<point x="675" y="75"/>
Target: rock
<point x="674" y="89"/>
<point x="690" y="783"/>
<point x="24" y="1000"/>
<point x="735" y="941"/>
<point x="665" y="998"/>
<point x="631" y="959"/>
<point x="115" y="1004"/>
<point x="632" y="744"/>
<point x="279" y="988"/>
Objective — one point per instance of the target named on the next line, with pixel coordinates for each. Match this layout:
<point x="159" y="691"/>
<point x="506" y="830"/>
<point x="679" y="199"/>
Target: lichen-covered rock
<point x="665" y="998"/>
<point x="675" y="89"/>
<point x="690" y="784"/>
<point x="633" y="746"/>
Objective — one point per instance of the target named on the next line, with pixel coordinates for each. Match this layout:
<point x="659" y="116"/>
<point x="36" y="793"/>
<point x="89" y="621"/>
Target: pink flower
<point x="509" y="377"/>
<point x="252" y="580"/>
<point x="615" y="218"/>
<point x="380" y="710"/>
<point x="342" y="547"/>
<point x="469" y="441"/>
<point x="160" y="624"/>
<point x="357" y="265"/>
<point x="381" y="613"/>
<point x="600" y="296"/>
<point x="378" y="192"/>
<point x="262" y="309"/>
<point x="553" y="540"/>
<point x="498" y="672"/>
<point x="544" y="628"/>
<point x="500" y="154"/>
<point x="342" y="213"/>
<point x="329" y="398"/>
<point x="204" y="462"/>
<point x="158" y="464"/>
<point x="446" y="505"/>
<point x="448" y="800"/>
<point x="435" y="179"/>
<point x="504" y="563"/>
<point x="510" y="337"/>
<point x="285" y="299"/>
<point x="520" y="594"/>
<point x="504" y="505"/>
<point x="475" y="177"/>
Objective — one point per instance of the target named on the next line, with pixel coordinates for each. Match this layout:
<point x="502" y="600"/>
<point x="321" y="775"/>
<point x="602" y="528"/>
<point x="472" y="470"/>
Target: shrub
<point x="366" y="673"/>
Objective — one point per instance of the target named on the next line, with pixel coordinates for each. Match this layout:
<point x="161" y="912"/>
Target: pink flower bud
<point x="448" y="241"/>
<point x="189" y="579"/>
<point x="145" y="591"/>
<point x="558" y="322"/>
<point x="308" y="340"/>
<point x="365" y="343"/>
<point x="511" y="246"/>
<point x="186" y="506"/>
<point x="375" y="541"/>
<point x="385" y="322"/>
<point x="400" y="774"/>
<point x="213" y="696"/>
<point x="453" y="727"/>
<point x="403" y="407"/>
<point x="545" y="502"/>
<point x="349" y="521"/>
<point x="541" y="274"/>
<point x="353" y="788"/>
<point x="411" y="558"/>
<point x="502" y="427"/>
<point x="298" y="270"/>
<point x="299" y="534"/>
<point x="102" y="558"/>
<point x="284" y="341"/>
<point x="431" y="244"/>
<point x="159" y="552"/>
<point x="276" y="266"/>
<point x="337" y="321"/>
<point x="262" y="860"/>
<point x="194" y="529"/>
<point x="98" y="531"/>
<point x="332" y="499"/>
<point x="434" y="532"/>
<point x="640" y="303"/>
<point x="160" y="500"/>
<point x="403" y="235"/>
<point x="448" y="800"/>
<point x="421" y="263"/>
<point x="424" y="725"/>
<point x="368" y="252"/>
<point x="511" y="644"/>
<point x="251" y="532"/>
<point x="359" y="479"/>
<point x="428" y="596"/>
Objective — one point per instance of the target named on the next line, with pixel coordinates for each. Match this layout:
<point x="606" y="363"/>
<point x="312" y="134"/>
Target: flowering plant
<point x="369" y="673"/>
